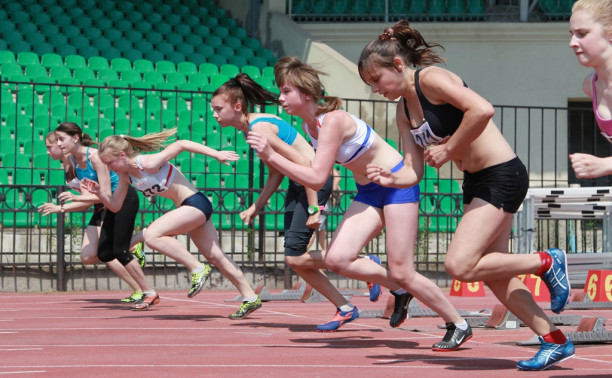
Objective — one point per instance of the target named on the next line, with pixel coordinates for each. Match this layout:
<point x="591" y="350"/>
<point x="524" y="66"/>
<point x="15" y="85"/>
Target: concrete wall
<point x="526" y="64"/>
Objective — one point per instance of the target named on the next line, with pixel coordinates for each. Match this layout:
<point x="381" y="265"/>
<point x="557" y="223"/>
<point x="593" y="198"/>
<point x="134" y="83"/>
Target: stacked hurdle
<point x="566" y="203"/>
<point x="562" y="203"/>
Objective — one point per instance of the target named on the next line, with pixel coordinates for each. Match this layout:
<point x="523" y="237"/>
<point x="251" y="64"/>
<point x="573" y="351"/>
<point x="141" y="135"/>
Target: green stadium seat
<point x="201" y="30"/>
<point x="154" y="56"/>
<point x="83" y="73"/>
<point x="252" y="71"/>
<point x="237" y="61"/>
<point x="27" y="58"/>
<point x="93" y="33"/>
<point x="88" y="51"/>
<point x="97" y="63"/>
<point x="165" y="66"/>
<point x="143" y="66"/>
<point x="239" y="32"/>
<point x="4" y="176"/>
<point x="245" y="52"/>
<point x="120" y="65"/>
<point x="163" y="27"/>
<point x="18" y="46"/>
<point x="12" y="160"/>
<point x="19" y="17"/>
<point x="107" y="76"/>
<point x="154" y="37"/>
<point x="7" y="57"/>
<point x="132" y="55"/>
<point x="258" y="62"/>
<point x="213" y="41"/>
<point x="103" y="100"/>
<point x="176" y="79"/>
<point x="75" y="61"/>
<point x="34" y="145"/>
<point x="209" y="69"/>
<point x="268" y="72"/>
<point x="229" y="70"/>
<point x="184" y="49"/>
<point x="51" y="60"/>
<point x="225" y="51"/>
<point x="174" y="39"/>
<point x="187" y="68"/>
<point x="153" y="77"/>
<point x="183" y="29"/>
<point x="252" y="43"/>
<point x="35" y="71"/>
<point x="59" y="73"/>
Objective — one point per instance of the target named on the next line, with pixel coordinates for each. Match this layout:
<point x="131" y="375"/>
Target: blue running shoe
<point x="341" y="318"/>
<point x="548" y="355"/>
<point x="375" y="291"/>
<point x="557" y="280"/>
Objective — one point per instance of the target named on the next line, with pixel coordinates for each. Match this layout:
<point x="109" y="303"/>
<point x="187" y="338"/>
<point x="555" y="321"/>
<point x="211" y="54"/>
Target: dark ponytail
<point x="401" y="41"/>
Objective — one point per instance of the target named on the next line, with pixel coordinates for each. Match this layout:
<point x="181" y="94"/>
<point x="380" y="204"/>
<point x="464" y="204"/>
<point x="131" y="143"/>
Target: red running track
<point x="92" y="334"/>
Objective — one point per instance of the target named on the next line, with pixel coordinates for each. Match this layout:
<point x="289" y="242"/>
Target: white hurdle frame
<point x="562" y="203"/>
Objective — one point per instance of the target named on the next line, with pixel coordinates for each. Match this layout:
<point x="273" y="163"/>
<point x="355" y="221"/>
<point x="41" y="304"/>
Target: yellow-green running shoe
<point x="198" y="279"/>
<point x="139" y="253"/>
<point x="245" y="309"/>
<point x="134" y="298"/>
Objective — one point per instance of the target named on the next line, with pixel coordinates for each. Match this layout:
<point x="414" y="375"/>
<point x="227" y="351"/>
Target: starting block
<point x="502" y="318"/>
<point x="582" y="301"/>
<point x="599" y="285"/>
<point x="537" y="288"/>
<point x="265" y="295"/>
<point x="589" y="330"/>
<point x="467" y="289"/>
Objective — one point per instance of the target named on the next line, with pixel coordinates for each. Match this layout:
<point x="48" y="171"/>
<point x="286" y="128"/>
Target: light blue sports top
<point x="90" y="173"/>
<point x="285" y="131"/>
<point x="356" y="146"/>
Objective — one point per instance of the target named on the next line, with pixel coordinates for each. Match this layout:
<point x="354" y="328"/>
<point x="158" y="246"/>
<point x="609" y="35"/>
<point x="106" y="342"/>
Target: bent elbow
<point x="487" y="112"/>
<point x="113" y="209"/>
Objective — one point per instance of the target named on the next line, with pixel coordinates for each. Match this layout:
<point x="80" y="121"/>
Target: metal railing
<point x="429" y="10"/>
<point x="42" y="253"/>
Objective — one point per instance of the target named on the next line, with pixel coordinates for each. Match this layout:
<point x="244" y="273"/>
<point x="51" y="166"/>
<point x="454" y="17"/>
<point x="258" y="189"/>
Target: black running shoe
<point x="400" y="309"/>
<point x="453" y="339"/>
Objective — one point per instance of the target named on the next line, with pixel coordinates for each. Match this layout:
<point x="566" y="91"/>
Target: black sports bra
<point x="440" y="121"/>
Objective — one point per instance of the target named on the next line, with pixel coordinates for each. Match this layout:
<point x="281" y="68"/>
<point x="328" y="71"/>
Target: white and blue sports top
<point x="151" y="184"/>
<point x="356" y="146"/>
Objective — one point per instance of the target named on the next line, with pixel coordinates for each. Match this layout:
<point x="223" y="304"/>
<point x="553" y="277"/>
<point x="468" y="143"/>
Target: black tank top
<point x="443" y="120"/>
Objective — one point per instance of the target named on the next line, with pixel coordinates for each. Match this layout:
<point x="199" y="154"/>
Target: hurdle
<point x="569" y="204"/>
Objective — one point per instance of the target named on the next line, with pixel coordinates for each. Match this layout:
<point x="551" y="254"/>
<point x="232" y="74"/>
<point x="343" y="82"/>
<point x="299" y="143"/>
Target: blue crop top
<point x="151" y="184"/>
<point x="356" y="146"/>
<point x="90" y="173"/>
<point x="286" y="132"/>
<point x="440" y="121"/>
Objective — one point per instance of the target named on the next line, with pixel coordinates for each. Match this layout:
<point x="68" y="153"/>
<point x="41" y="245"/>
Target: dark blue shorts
<point x="200" y="202"/>
<point x="379" y="196"/>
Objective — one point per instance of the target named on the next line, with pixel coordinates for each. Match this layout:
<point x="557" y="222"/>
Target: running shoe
<point x="453" y="339"/>
<point x="135" y="297"/>
<point x="557" y="280"/>
<point x="139" y="253"/>
<point x="375" y="291"/>
<point x="341" y="318"/>
<point x="198" y="279"/>
<point x="146" y="302"/>
<point x="245" y="309"/>
<point x="548" y="355"/>
<point x="400" y="309"/>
